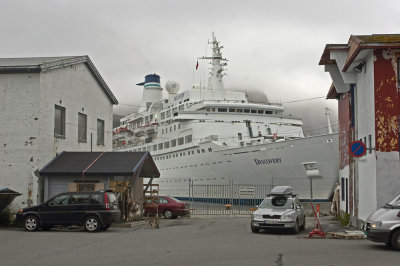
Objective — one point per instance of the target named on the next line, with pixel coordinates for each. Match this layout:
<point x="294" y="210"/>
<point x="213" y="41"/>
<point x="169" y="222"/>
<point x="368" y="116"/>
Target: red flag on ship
<point x="197" y="65"/>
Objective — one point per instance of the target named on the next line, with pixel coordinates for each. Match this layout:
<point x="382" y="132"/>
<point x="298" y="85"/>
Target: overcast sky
<point x="272" y="46"/>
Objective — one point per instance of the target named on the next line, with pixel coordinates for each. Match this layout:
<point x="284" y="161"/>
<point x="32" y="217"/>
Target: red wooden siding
<point x="386" y="101"/>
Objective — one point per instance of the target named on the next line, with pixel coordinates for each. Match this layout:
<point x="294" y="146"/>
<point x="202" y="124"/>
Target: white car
<point x="281" y="209"/>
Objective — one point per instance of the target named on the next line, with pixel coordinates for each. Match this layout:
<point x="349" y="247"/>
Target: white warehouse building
<point x="49" y="105"/>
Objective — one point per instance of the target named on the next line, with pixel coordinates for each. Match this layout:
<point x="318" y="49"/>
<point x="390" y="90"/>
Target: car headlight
<point x="287" y="216"/>
<point x="257" y="216"/>
<point x="376" y="224"/>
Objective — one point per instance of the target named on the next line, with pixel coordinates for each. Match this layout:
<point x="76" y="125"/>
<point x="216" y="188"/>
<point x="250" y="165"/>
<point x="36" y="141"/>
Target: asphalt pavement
<point x="186" y="241"/>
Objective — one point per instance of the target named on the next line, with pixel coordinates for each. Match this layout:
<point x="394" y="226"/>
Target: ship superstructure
<point x="213" y="135"/>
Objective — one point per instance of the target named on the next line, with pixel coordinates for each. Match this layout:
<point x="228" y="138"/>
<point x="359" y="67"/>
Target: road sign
<point x="357" y="148"/>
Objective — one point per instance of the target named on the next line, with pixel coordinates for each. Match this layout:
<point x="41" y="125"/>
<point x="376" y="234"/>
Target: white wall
<point x="27" y="104"/>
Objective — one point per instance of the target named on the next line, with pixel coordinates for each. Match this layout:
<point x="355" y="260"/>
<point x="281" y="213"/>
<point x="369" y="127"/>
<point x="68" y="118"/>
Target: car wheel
<point x="92" y="224"/>
<point x="168" y="214"/>
<point x="105" y="227"/>
<point x="396" y="240"/>
<point x="303" y="226"/>
<point x="296" y="228"/>
<point x="31" y="223"/>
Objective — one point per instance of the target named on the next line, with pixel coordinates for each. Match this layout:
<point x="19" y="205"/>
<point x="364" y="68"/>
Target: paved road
<point x="186" y="241"/>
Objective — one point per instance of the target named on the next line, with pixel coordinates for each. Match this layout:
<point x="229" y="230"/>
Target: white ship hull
<point x="212" y="135"/>
<point x="278" y="163"/>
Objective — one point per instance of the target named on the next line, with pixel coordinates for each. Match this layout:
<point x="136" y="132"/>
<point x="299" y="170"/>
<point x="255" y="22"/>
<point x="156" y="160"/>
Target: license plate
<point x="271" y="221"/>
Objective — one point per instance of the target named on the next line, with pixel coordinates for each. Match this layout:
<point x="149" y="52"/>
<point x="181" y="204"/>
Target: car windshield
<point x="277" y="203"/>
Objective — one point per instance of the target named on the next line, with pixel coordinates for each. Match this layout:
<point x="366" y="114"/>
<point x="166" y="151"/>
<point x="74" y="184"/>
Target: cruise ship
<point x="213" y="135"/>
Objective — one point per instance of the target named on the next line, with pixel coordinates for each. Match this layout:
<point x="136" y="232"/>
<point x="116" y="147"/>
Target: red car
<point x="168" y="206"/>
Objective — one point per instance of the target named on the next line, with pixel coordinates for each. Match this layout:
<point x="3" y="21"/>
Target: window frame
<point x="84" y="138"/>
<point x="100" y="143"/>
<point x="62" y="127"/>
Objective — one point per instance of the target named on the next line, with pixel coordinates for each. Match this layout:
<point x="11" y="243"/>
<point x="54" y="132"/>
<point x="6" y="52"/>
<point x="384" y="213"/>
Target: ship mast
<point x="215" y="81"/>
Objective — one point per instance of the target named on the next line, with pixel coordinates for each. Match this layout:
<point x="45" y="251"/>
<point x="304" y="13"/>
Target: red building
<point x="365" y="75"/>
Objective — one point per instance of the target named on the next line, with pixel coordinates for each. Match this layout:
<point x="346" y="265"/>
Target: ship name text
<point x="268" y="161"/>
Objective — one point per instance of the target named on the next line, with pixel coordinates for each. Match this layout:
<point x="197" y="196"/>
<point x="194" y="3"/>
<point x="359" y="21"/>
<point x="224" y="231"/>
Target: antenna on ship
<point x="329" y="121"/>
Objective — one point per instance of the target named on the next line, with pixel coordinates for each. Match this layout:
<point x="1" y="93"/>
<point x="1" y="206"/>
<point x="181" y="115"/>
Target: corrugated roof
<point x="101" y="164"/>
<point x="43" y="64"/>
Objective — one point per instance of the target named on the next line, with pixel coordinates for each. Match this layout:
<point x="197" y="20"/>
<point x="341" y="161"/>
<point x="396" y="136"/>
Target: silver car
<point x="281" y="209"/>
<point x="384" y="224"/>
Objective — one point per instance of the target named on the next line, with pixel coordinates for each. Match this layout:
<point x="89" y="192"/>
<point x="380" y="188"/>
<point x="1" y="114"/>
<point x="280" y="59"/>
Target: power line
<point x="303" y="100"/>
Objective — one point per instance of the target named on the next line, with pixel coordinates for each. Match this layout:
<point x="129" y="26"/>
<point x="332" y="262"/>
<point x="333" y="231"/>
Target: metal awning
<point x="102" y="164"/>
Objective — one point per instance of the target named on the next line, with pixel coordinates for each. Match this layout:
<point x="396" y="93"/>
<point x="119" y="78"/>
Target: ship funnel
<point x="152" y="91"/>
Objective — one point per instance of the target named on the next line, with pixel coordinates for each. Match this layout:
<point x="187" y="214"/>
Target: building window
<point x="342" y="189"/>
<point x="82" y="124"/>
<point x="155" y="147"/>
<point x="59" y="122"/>
<point x="239" y="136"/>
<point x="180" y="141"/>
<point x="100" y="132"/>
<point x="160" y="146"/>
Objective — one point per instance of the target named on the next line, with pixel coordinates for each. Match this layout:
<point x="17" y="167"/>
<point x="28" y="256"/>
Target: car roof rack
<point x="282" y="191"/>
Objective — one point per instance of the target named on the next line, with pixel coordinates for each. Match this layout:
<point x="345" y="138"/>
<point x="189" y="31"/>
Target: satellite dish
<point x="172" y="87"/>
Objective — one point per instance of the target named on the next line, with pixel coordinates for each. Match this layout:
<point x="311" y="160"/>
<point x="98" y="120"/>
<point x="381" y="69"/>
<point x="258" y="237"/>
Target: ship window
<point x="173" y="143"/>
<point x="166" y="130"/>
<point x="239" y="136"/>
<point x="180" y="154"/>
<point x="166" y="145"/>
<point x="239" y="110"/>
<point x="222" y="110"/>
<point x="198" y="151"/>
<point x="231" y="110"/>
<point x="181" y="107"/>
<point x="162" y="116"/>
<point x="247" y="110"/>
<point x="192" y="152"/>
<point x="162" y="131"/>
<point x="148" y="148"/>
<point x="253" y="111"/>
<point x="174" y="127"/>
<point x="168" y="113"/>
<point x="212" y="109"/>
<point x="155" y="147"/>
<point x="184" y="153"/>
<point x="268" y="112"/>
<point x="179" y="126"/>
<point x="209" y="149"/>
<point x="160" y="146"/>
<point x="180" y="141"/>
<point x="174" y="110"/>
<point x="188" y="138"/>
<point x="207" y="109"/>
<point x="144" y="149"/>
<point x="203" y="151"/>
<point x="260" y="111"/>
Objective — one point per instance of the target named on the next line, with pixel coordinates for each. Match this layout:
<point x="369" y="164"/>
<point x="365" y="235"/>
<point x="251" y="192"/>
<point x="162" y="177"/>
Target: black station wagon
<point x="93" y="210"/>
